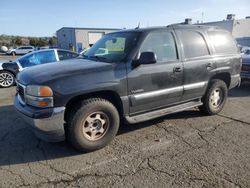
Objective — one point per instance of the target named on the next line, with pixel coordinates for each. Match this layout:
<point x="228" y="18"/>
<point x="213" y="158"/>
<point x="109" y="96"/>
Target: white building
<point x="76" y="39"/>
<point x="240" y="28"/>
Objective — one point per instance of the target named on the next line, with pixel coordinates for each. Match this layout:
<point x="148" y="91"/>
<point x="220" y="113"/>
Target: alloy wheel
<point x="6" y="79"/>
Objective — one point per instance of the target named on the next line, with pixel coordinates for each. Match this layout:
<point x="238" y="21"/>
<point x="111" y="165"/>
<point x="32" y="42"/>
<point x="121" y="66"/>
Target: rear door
<point x="197" y="63"/>
<point x="153" y="86"/>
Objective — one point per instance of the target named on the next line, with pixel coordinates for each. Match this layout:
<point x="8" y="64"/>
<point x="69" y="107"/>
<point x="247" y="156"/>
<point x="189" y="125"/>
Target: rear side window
<point x="40" y="57"/>
<point x="63" y="55"/>
<point x="162" y="44"/>
<point x="194" y="44"/>
<point x="223" y="42"/>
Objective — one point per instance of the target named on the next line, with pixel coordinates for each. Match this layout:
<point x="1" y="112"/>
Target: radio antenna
<point x="138" y="26"/>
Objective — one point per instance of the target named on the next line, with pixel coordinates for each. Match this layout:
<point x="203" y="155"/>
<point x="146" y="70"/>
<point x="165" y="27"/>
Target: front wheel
<point x="215" y="97"/>
<point x="7" y="79"/>
<point x="93" y="124"/>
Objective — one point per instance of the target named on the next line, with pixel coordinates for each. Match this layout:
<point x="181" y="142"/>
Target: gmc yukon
<point x="142" y="74"/>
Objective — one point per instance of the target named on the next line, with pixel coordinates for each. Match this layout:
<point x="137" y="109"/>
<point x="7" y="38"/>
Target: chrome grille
<point x="20" y="91"/>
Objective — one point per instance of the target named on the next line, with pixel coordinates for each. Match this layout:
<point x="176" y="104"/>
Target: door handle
<point x="177" y="69"/>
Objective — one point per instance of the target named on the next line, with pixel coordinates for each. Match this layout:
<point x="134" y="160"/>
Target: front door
<point x="152" y="86"/>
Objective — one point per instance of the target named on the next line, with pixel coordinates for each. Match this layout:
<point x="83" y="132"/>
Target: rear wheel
<point x="93" y="124"/>
<point x="7" y="79"/>
<point x="215" y="97"/>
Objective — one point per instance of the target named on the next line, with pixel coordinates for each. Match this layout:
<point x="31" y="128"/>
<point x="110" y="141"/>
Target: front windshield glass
<point x="113" y="47"/>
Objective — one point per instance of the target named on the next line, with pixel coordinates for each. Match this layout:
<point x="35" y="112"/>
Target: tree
<point x="16" y="41"/>
<point x="42" y="42"/>
<point x="33" y="41"/>
<point x="53" y="41"/>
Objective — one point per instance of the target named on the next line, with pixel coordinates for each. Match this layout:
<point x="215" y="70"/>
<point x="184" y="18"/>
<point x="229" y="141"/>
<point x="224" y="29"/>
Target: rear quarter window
<point x="194" y="44"/>
<point x="222" y="42"/>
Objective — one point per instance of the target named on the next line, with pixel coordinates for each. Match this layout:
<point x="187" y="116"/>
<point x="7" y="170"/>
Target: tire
<point x="7" y="79"/>
<point x="13" y="53"/>
<point x="93" y="124"/>
<point x="215" y="97"/>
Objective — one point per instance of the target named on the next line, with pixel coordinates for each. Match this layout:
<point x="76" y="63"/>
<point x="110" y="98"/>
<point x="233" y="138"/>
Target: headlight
<point x="39" y="96"/>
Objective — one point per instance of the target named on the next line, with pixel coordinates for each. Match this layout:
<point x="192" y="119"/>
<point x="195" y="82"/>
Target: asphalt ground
<point x="185" y="149"/>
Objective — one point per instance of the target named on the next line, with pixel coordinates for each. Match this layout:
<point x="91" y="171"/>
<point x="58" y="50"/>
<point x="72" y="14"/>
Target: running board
<point x="158" y="113"/>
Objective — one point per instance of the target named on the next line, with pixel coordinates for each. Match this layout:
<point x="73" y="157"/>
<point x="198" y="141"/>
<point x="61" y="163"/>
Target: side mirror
<point x="147" y="58"/>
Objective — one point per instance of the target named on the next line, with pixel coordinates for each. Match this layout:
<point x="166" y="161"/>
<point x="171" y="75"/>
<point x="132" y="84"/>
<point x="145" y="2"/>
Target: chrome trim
<point x="195" y="85"/>
<point x="20" y="99"/>
<point x="169" y="90"/>
<point x="24" y="87"/>
<point x="235" y="76"/>
<point x="158" y="93"/>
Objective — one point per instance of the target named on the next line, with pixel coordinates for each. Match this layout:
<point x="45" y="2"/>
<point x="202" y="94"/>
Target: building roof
<point x="88" y="28"/>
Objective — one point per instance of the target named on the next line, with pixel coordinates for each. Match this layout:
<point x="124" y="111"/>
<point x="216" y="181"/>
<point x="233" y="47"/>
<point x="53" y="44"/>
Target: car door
<point x="197" y="63"/>
<point x="152" y="86"/>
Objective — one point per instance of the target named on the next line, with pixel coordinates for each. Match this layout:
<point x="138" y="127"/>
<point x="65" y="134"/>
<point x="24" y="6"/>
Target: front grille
<point x="20" y="91"/>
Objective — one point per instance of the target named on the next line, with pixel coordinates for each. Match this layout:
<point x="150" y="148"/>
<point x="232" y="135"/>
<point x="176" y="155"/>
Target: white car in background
<point x="20" y="50"/>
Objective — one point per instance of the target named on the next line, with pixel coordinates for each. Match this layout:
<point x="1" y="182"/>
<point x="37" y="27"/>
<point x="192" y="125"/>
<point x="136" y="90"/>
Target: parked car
<point x="245" y="50"/>
<point x="9" y="70"/>
<point x="245" y="70"/>
<point x="145" y="74"/>
<point x="20" y="50"/>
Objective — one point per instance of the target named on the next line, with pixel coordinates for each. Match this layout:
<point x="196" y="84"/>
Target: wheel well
<point x="111" y="96"/>
<point x="224" y="77"/>
<point x="9" y="71"/>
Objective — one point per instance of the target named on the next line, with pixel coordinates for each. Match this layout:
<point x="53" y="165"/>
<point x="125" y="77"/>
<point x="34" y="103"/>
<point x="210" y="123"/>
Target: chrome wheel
<point x="216" y="98"/>
<point x="6" y="79"/>
<point x="95" y="126"/>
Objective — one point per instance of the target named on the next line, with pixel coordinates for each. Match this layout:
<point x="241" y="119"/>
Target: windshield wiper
<point x="99" y="58"/>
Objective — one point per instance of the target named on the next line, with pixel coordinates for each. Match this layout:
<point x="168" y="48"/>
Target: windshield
<point x="113" y="47"/>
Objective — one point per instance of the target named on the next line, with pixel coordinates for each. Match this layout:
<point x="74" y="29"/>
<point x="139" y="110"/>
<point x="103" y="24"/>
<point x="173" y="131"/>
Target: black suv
<point x="141" y="74"/>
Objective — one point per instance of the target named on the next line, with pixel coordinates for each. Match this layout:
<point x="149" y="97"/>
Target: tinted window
<point x="38" y="58"/>
<point x="194" y="45"/>
<point x="223" y="42"/>
<point x="162" y="44"/>
<point x="66" y="55"/>
<point x="27" y="47"/>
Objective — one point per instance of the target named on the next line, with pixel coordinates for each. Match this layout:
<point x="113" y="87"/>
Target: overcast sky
<point x="44" y="17"/>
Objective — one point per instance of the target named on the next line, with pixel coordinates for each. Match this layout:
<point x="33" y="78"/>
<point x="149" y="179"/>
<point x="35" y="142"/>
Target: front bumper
<point x="48" y="125"/>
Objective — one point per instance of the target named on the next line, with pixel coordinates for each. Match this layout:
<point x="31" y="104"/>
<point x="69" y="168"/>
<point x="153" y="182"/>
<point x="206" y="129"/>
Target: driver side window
<point x="162" y="44"/>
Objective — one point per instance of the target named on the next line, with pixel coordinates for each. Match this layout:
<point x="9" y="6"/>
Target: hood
<point x="42" y="74"/>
